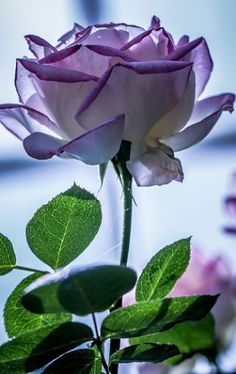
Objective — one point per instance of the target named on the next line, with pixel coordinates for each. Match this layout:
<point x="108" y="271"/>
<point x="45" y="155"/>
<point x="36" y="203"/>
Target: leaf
<point x="81" y="292"/>
<point x="7" y="255"/>
<point x="19" y="321"/>
<point x="62" y="229"/>
<point x="35" y="349"/>
<point x="188" y="336"/>
<point x="144" y="353"/>
<point x="148" y="318"/>
<point x="83" y="361"/>
<point x="163" y="270"/>
<point x="102" y="172"/>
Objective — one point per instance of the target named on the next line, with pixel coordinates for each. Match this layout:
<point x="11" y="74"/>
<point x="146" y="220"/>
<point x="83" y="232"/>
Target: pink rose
<point x="106" y="83"/>
<point x="209" y="276"/>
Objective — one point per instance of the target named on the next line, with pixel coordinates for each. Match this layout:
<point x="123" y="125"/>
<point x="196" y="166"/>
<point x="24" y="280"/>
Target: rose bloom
<point x="111" y="82"/>
<point x="205" y="276"/>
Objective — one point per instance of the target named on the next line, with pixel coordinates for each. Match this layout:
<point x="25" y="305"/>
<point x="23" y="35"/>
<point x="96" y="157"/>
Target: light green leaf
<point x="188" y="336"/>
<point x="35" y="349"/>
<point x="163" y="270"/>
<point x="144" y="353"/>
<point x="83" y="361"/>
<point x="81" y="292"/>
<point x="148" y="318"/>
<point x="62" y="229"/>
<point x="19" y="321"/>
<point x="7" y="255"/>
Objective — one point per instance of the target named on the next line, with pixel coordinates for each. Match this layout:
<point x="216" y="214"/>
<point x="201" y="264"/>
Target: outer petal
<point x="155" y="168"/>
<point x="60" y="92"/>
<point x="95" y="147"/>
<point x="99" y="145"/>
<point x="38" y="46"/>
<point x="143" y="91"/>
<point x="206" y="114"/>
<point x="176" y="119"/>
<point x="22" y="120"/>
<point x="196" y="51"/>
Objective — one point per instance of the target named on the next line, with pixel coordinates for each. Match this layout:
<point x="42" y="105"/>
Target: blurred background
<point x="162" y="215"/>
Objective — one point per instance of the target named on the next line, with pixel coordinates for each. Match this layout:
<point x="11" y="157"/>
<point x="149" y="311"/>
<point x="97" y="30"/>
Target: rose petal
<point x="196" y="51"/>
<point x="155" y="22"/>
<point x="155" y="168"/>
<point x="59" y="91"/>
<point x="95" y="147"/>
<point x="99" y="145"/>
<point x="206" y="113"/>
<point x="176" y="119"/>
<point x="69" y="37"/>
<point x="38" y="46"/>
<point x="89" y="59"/>
<point x="183" y="40"/>
<point x="42" y="146"/>
<point x="135" y="89"/>
<point x="22" y="120"/>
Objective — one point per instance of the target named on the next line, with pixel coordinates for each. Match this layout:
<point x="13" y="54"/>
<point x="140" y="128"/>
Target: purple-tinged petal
<point x="99" y="145"/>
<point x="38" y="46"/>
<point x="59" y="98"/>
<point x="69" y="37"/>
<point x="142" y="47"/>
<point x="147" y="83"/>
<point x="155" y="168"/>
<point x="50" y="73"/>
<point x="163" y="42"/>
<point x="88" y="59"/>
<point x="105" y="36"/>
<point x="207" y="113"/>
<point x="155" y="23"/>
<point x="42" y="146"/>
<point x="196" y="51"/>
<point x="183" y="40"/>
<point x="22" y="120"/>
<point x="175" y="119"/>
<point x="60" y="55"/>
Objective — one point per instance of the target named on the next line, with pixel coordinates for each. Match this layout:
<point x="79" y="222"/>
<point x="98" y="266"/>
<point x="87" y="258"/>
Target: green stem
<point x="25" y="268"/>
<point x="99" y="345"/>
<point x="126" y="180"/>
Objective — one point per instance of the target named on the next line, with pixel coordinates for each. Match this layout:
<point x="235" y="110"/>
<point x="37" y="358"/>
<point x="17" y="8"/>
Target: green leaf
<point x="62" y="229"/>
<point x="144" y="353"/>
<point x="19" y="321"/>
<point x="163" y="270"/>
<point x="35" y="349"/>
<point x="148" y="318"/>
<point x="102" y="172"/>
<point x="83" y="361"/>
<point x="188" y="336"/>
<point x="79" y="291"/>
<point x="7" y="255"/>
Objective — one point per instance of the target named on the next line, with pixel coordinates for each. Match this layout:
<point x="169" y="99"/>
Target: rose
<point x="204" y="276"/>
<point x="106" y="83"/>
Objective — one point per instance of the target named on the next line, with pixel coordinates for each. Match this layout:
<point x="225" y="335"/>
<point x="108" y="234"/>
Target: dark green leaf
<point x="79" y="291"/>
<point x="163" y="270"/>
<point x="144" y="353"/>
<point x="102" y="172"/>
<point x="83" y="361"/>
<point x="148" y="318"/>
<point x="35" y="349"/>
<point x="188" y="336"/>
<point x="7" y="255"/>
<point x="62" y="229"/>
<point x="19" y="321"/>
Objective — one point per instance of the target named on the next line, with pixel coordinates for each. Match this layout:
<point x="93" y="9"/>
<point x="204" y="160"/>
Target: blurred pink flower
<point x="111" y="82"/>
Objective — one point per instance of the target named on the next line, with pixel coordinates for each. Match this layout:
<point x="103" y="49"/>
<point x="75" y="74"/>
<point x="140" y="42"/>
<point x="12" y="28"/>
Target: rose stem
<point x="126" y="179"/>
<point x="99" y="345"/>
